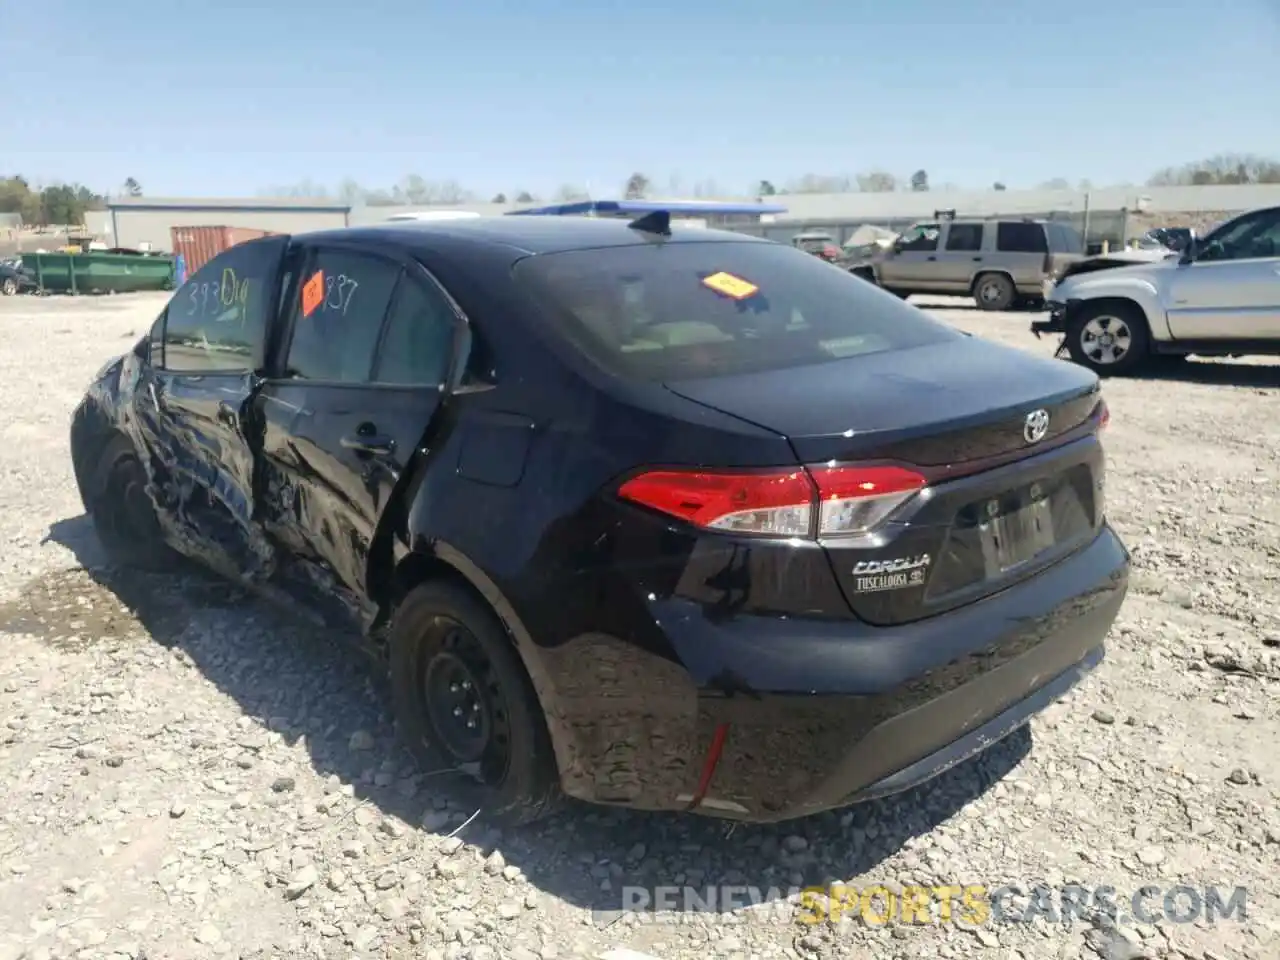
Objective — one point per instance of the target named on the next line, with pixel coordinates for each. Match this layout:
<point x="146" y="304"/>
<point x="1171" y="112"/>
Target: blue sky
<point x="229" y="98"/>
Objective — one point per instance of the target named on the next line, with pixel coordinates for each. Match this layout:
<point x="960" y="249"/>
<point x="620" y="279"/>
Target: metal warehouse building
<point x="135" y="221"/>
<point x="1111" y="214"/>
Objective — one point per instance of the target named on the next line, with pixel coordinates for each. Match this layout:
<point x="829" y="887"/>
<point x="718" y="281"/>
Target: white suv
<point x="1221" y="297"/>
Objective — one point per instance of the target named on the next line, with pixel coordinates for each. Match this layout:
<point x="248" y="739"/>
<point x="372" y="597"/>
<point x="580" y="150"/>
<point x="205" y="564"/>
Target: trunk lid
<point x="999" y="507"/>
<point x="938" y="405"/>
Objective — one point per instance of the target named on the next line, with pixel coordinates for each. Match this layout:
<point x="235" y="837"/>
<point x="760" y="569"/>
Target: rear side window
<point x="681" y="310"/>
<point x="418" y="345"/>
<point x="341" y="301"/>
<point x="964" y="236"/>
<point x="1015" y="237"/>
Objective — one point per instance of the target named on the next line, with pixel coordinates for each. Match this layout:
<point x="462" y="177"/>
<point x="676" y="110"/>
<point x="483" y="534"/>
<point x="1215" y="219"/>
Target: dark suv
<point x="682" y="521"/>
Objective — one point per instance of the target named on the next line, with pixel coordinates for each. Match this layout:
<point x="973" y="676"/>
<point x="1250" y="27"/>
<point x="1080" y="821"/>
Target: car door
<point x="960" y="256"/>
<point x="1231" y="289"/>
<point x="1022" y="249"/>
<point x="371" y="340"/>
<point x="193" y="403"/>
<point x="911" y="264"/>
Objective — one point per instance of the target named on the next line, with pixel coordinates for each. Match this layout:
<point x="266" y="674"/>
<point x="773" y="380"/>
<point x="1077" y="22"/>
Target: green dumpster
<point x="99" y="272"/>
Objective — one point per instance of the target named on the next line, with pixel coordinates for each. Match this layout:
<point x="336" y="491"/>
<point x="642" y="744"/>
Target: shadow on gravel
<point x="304" y="685"/>
<point x="1214" y="373"/>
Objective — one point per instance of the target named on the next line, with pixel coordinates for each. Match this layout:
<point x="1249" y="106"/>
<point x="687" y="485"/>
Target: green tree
<point x="920" y="181"/>
<point x="524" y="196"/>
<point x="132" y="187"/>
<point x="766" y="189"/>
<point x="499" y="198"/>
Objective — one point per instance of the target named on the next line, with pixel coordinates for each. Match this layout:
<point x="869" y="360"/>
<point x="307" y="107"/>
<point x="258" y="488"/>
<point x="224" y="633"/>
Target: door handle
<point x="977" y="259"/>
<point x="931" y="258"/>
<point x="367" y="440"/>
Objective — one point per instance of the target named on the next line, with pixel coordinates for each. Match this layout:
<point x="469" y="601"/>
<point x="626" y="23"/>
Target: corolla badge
<point x="1035" y="426"/>
<point x="875" y="575"/>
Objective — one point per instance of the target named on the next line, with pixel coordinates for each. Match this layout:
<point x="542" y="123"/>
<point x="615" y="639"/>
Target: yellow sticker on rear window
<point x="730" y="286"/>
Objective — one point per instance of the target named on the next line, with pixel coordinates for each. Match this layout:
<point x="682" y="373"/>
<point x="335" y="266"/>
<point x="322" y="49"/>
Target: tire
<point x="441" y="634"/>
<point x="994" y="291"/>
<point x="122" y="513"/>
<point x="1124" y="352"/>
<point x="9" y="287"/>
<point x="867" y="275"/>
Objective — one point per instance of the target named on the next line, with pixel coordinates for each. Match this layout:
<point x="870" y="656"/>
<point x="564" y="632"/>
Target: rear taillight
<point x="1104" y="415"/>
<point x="816" y="501"/>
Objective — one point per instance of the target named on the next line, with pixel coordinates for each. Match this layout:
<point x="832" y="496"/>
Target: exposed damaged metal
<point x="264" y="479"/>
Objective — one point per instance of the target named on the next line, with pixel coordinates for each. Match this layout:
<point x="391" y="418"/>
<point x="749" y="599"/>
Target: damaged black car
<point x="671" y="520"/>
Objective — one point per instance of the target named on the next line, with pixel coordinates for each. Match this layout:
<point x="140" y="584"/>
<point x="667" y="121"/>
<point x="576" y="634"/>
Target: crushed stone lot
<point x="186" y="773"/>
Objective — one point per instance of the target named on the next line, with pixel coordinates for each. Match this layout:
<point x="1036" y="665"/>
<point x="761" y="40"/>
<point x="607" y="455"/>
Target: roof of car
<point x="530" y="235"/>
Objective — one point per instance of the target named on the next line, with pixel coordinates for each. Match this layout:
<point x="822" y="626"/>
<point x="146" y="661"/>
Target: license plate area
<point x="1015" y="529"/>
<point x="993" y="539"/>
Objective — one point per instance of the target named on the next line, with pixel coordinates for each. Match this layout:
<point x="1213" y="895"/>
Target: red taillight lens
<point x="825" y="501"/>
<point x="1104" y="415"/>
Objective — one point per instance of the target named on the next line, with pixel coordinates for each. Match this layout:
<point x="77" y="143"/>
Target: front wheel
<point x="1109" y="339"/>
<point x="9" y="287"/>
<point x="122" y="512"/>
<point x="460" y="694"/>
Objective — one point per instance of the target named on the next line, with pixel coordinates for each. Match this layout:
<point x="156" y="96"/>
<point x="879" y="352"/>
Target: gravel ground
<point x="188" y="774"/>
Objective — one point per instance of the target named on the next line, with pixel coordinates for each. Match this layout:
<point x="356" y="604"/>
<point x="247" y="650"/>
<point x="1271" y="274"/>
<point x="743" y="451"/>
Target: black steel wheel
<point x="465" y="703"/>
<point x="463" y="700"/>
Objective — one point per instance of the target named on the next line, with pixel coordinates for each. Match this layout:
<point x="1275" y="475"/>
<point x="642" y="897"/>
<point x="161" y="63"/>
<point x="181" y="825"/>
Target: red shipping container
<point x="198" y="245"/>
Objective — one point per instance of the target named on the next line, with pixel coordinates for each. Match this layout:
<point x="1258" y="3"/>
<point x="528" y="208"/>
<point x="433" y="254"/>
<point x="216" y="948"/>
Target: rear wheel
<point x="121" y="510"/>
<point x="1110" y="339"/>
<point x="461" y="696"/>
<point x="994" y="291"/>
<point x="10" y="286"/>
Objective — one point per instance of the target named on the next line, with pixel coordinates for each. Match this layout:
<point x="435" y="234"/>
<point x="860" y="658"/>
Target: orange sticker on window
<point x="313" y="293"/>
<point x="730" y="286"/>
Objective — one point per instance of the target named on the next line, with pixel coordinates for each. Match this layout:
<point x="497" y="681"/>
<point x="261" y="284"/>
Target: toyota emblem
<point x="1036" y="426"/>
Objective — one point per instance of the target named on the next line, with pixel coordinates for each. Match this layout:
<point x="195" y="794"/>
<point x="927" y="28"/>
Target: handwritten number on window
<point x="339" y="289"/>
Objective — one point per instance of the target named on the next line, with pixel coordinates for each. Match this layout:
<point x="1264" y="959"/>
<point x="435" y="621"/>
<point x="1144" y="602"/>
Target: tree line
<point x="417" y="191"/>
<point x="67" y="203"/>
<point x="57" y="204"/>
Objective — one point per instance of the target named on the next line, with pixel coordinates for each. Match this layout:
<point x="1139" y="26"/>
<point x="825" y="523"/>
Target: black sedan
<point x="15" y="278"/>
<point x="679" y="521"/>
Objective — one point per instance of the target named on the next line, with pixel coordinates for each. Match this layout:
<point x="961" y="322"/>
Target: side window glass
<point x="418" y="344"/>
<point x="965" y="237"/>
<point x="1249" y="238"/>
<point x="923" y="237"/>
<point x="1018" y="237"/>
<point x="341" y="301"/>
<point x="216" y="321"/>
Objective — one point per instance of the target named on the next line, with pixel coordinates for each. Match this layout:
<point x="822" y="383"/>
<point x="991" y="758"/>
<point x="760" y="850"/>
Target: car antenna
<point x="657" y="222"/>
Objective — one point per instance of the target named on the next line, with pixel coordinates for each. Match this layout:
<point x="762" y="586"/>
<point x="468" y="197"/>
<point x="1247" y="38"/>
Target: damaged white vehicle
<point x="1220" y="297"/>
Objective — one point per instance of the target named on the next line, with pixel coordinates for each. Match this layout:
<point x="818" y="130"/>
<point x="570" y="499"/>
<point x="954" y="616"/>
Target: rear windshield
<point x="682" y="310"/>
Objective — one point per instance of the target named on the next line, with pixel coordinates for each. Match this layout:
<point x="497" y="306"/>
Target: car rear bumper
<point x="773" y="718"/>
